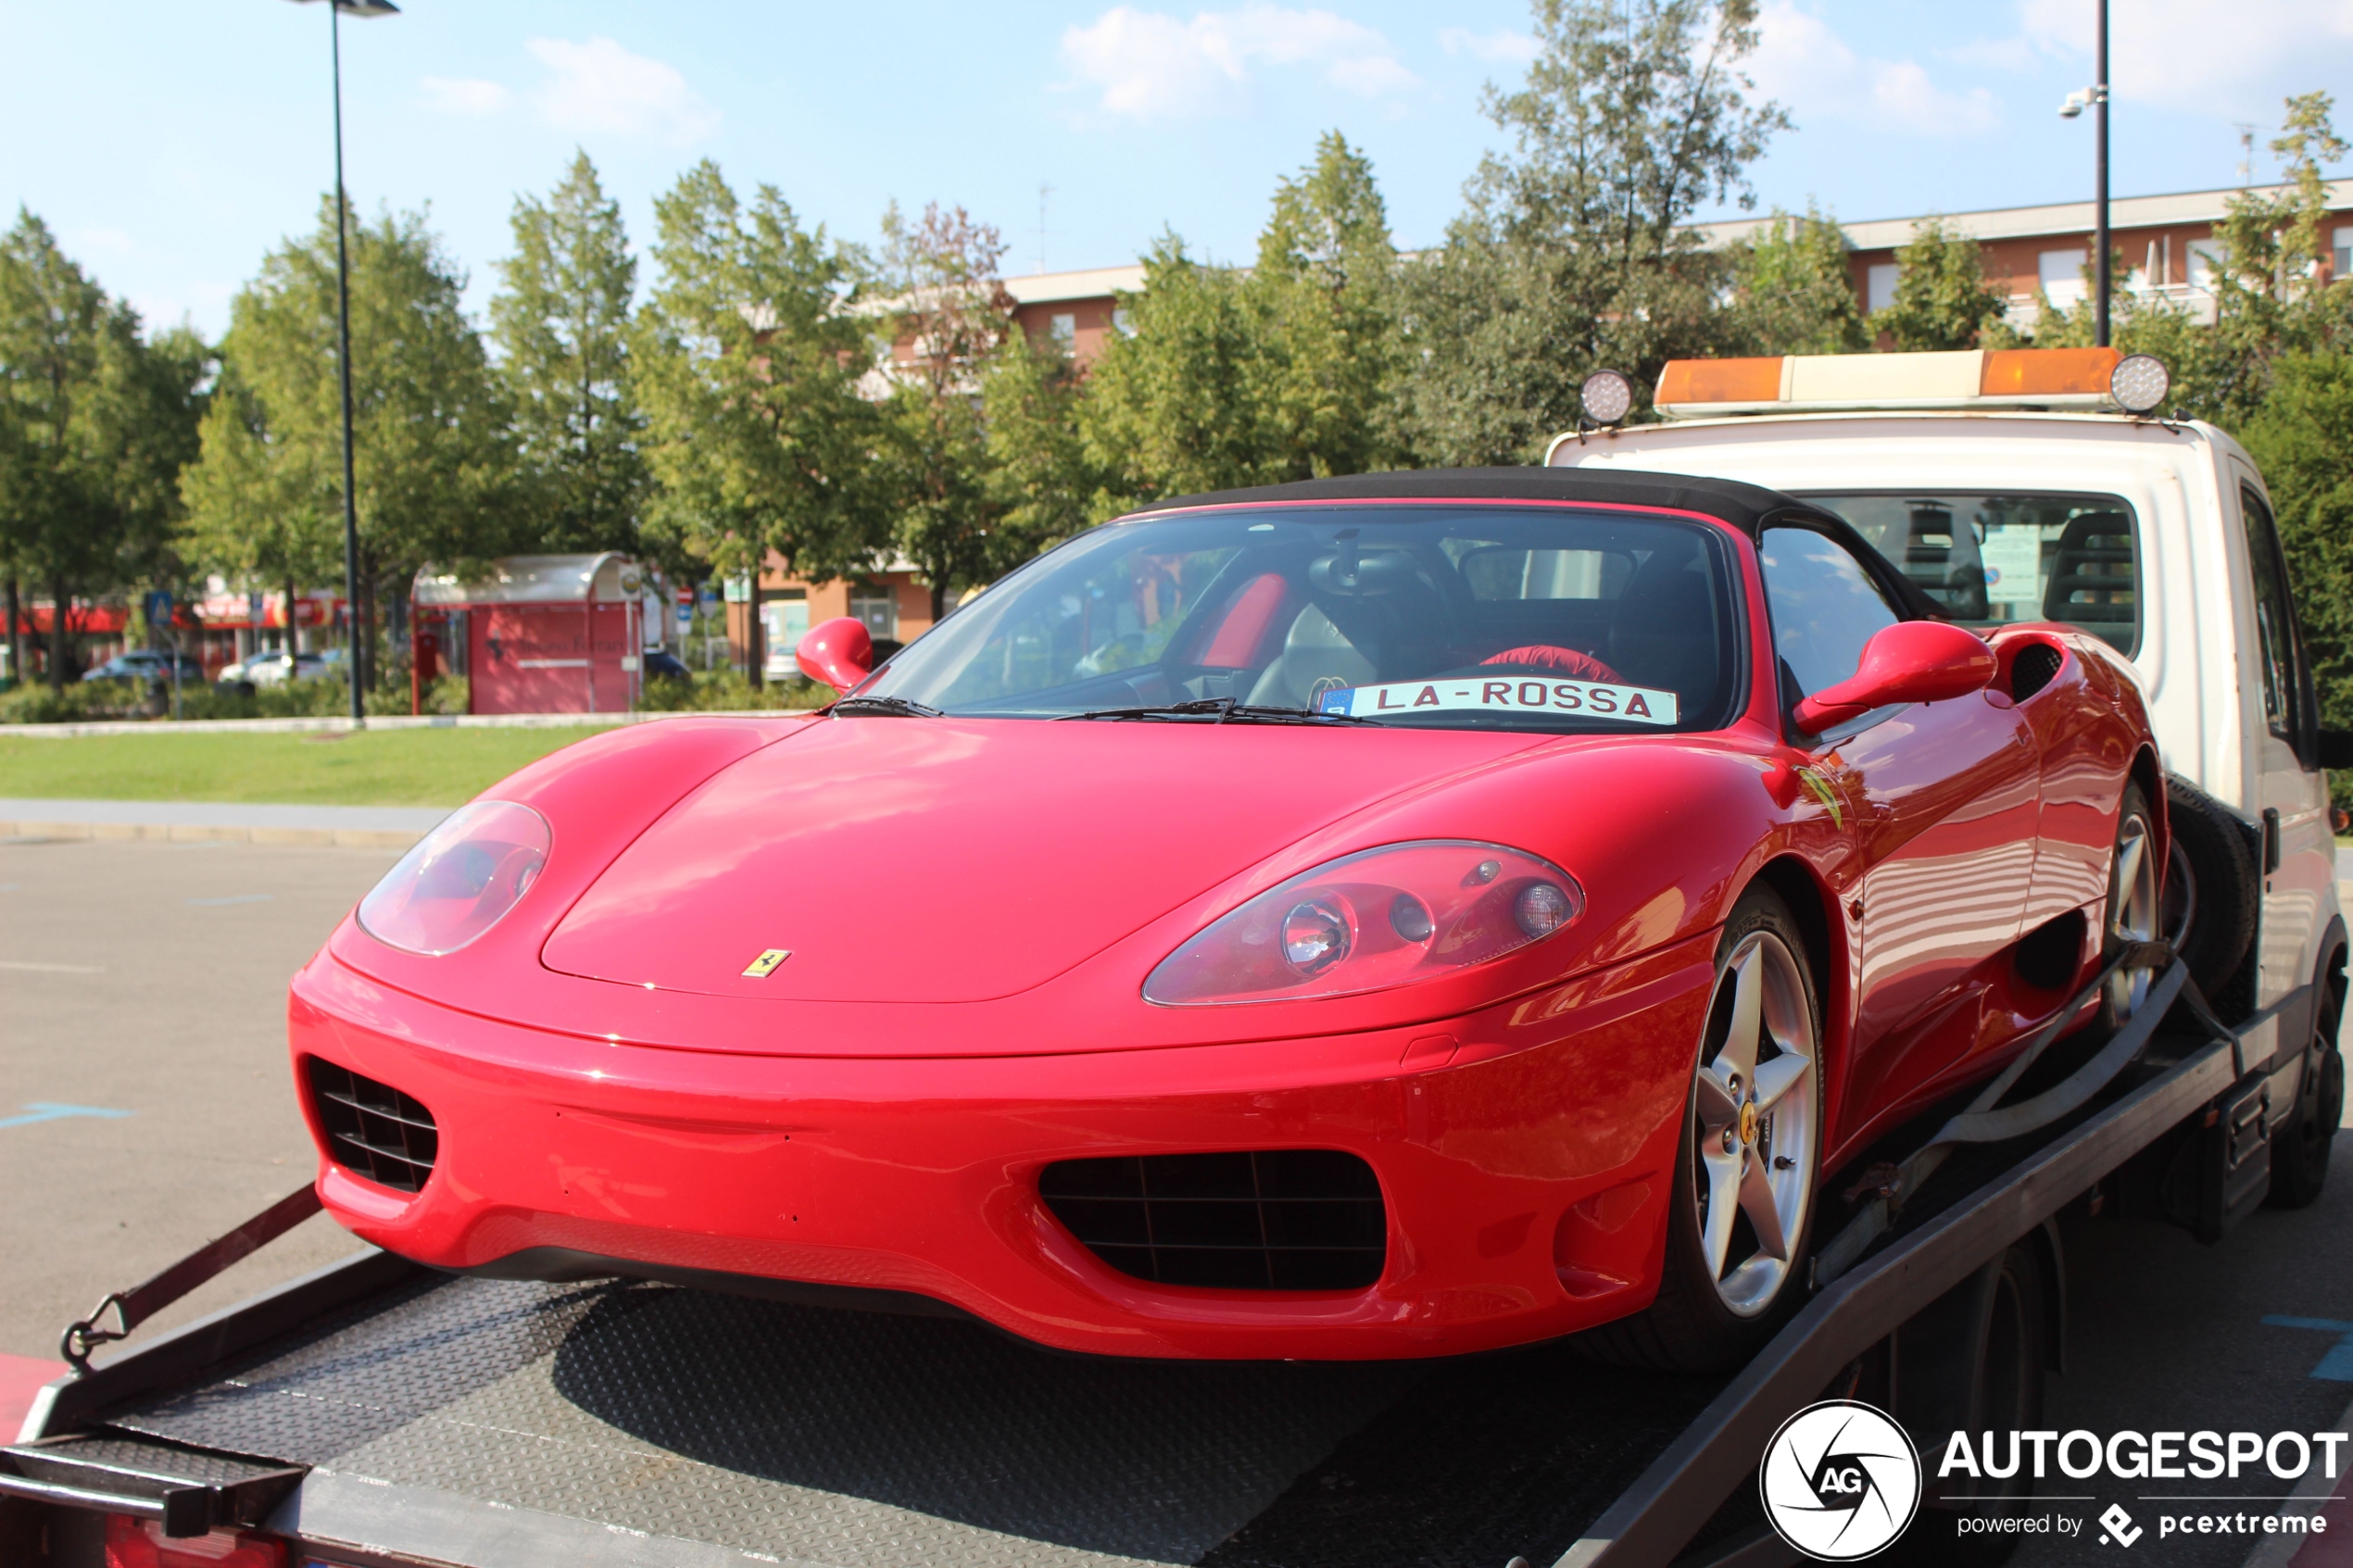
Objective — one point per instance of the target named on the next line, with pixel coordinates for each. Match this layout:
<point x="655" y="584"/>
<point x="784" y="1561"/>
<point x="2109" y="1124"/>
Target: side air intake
<point x="373" y="1129"/>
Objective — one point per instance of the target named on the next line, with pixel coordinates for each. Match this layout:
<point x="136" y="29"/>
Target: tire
<point x="1976" y="1362"/>
<point x="1752" y="1141"/>
<point x="2136" y="903"/>
<point x="2301" y="1149"/>
<point x="2224" y="882"/>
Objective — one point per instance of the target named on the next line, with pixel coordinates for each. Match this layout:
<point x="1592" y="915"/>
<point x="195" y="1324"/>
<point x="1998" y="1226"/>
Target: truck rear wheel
<point x="1742" y="1202"/>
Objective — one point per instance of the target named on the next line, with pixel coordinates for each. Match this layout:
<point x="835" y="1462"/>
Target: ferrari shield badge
<point x="765" y="964"/>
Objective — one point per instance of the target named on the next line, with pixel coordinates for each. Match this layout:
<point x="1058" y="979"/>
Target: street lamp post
<point x="335" y="11"/>
<point x="2095" y="98"/>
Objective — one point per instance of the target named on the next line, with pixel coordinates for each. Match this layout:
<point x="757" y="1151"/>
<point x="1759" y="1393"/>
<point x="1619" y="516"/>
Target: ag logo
<point x="1840" y="1481"/>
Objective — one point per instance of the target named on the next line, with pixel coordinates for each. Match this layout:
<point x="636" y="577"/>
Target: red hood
<point x="946" y="860"/>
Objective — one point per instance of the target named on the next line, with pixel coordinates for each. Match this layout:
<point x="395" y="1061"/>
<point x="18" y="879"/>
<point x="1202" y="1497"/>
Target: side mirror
<point x="840" y="652"/>
<point x="2336" y="749"/>
<point x="1910" y="661"/>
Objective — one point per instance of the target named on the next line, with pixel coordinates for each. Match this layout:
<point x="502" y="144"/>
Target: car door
<point x="1947" y="795"/>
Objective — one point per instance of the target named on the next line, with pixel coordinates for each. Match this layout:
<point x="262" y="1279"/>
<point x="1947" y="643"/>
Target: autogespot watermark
<point x="1842" y="1481"/>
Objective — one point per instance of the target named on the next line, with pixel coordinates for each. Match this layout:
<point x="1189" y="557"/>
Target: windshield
<point x="1441" y="615"/>
<point x="2021" y="555"/>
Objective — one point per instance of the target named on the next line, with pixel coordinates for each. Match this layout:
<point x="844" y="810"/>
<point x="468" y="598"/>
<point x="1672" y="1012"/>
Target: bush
<point x="36" y="704"/>
<point x="724" y="690"/>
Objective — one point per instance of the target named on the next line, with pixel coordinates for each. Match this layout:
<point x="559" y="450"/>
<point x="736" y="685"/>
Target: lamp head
<point x="365" y="10"/>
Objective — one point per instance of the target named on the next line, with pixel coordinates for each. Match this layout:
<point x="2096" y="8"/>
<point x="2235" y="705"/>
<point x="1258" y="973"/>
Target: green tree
<point x="434" y="464"/>
<point x="1289" y="370"/>
<point x="1170" y="406"/>
<point x="1575" y="251"/>
<point x="1942" y="300"/>
<point x="749" y="358"/>
<point x="98" y="423"/>
<point x="2302" y="439"/>
<point x="1793" y="289"/>
<point x="1325" y="293"/>
<point x="561" y="326"/>
<point x="1042" y="483"/>
<point x="949" y="306"/>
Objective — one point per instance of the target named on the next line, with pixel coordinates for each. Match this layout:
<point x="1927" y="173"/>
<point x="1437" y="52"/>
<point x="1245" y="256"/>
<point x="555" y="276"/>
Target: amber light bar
<point x="1974" y="378"/>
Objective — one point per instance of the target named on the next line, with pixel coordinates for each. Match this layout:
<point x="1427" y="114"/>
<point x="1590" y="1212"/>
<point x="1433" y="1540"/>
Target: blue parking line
<point x="42" y="1110"/>
<point x="234" y="899"/>
<point x="2338" y="1365"/>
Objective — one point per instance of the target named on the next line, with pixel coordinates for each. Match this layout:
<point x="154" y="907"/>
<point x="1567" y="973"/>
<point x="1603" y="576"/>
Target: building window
<point x="2061" y="275"/>
<point x="1126" y="328"/>
<point x="1879" y="287"/>
<point x="1062" y="327"/>
<point x="2341" y="253"/>
<point x="877" y="606"/>
<point x="2204" y="261"/>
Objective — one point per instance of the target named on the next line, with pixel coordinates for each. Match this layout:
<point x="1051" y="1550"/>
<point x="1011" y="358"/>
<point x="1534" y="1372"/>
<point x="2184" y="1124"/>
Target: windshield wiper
<point x="881" y="706"/>
<point x="1224" y="709"/>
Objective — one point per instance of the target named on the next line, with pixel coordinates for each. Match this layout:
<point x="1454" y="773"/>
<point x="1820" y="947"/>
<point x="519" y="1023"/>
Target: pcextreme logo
<point x="1841" y="1481"/>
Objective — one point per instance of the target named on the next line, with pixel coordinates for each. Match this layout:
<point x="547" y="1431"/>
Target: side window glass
<point x="2274" y="620"/>
<point x="1825" y="605"/>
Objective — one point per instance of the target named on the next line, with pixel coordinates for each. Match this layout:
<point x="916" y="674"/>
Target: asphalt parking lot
<point x="145" y="1107"/>
<point x="144" y="1100"/>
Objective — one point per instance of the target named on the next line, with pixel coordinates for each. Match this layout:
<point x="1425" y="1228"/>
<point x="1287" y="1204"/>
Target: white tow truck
<point x="2041" y="484"/>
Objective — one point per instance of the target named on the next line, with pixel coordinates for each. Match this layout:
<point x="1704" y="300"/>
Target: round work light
<point x="1607" y="398"/>
<point x="2139" y="384"/>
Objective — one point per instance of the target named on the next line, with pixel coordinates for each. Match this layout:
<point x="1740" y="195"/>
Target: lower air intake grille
<point x="1291" y="1219"/>
<point x="373" y="1129"/>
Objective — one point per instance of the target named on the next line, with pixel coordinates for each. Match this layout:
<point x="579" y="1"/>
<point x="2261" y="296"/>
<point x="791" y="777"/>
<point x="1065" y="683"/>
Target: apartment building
<point x="2167" y="242"/>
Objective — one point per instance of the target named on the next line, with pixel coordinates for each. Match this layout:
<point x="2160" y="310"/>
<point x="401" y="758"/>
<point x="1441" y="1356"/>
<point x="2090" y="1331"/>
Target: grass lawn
<point x="371" y="768"/>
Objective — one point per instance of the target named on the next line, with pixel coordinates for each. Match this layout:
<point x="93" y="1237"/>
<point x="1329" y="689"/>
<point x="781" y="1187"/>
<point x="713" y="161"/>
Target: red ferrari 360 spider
<point x="1375" y="917"/>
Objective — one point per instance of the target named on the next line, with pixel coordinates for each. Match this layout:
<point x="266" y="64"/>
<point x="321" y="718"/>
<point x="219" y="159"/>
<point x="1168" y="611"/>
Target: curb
<point x="393" y="721"/>
<point x="313" y="838"/>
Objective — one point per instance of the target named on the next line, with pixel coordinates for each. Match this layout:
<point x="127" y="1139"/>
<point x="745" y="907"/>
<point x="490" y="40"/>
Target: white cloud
<point x="1814" y="73"/>
<point x="2185" y="54"/>
<point x="1504" y="47"/>
<point x="1147" y="65"/>
<point x="464" y="95"/>
<point x="601" y="86"/>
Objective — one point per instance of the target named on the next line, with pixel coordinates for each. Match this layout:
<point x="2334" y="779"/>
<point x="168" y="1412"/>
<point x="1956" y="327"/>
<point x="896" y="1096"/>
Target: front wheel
<point x="2135" y="906"/>
<point x="1745" y="1176"/>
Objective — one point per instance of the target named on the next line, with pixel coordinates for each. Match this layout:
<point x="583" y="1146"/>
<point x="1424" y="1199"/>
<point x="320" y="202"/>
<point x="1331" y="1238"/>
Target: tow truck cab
<point x="2015" y="485"/>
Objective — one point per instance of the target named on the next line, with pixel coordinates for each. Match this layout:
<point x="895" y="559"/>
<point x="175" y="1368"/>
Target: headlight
<point x="1370" y="920"/>
<point x="460" y="881"/>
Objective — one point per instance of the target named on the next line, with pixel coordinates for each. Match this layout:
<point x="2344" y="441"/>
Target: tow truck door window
<point x="1825" y="607"/>
<point x="2277" y="645"/>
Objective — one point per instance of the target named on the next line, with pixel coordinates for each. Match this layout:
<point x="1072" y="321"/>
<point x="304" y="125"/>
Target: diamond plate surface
<point x="865" y="1441"/>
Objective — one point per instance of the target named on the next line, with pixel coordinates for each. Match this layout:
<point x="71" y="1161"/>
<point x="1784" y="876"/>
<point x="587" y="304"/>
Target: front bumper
<point x="1523" y="1151"/>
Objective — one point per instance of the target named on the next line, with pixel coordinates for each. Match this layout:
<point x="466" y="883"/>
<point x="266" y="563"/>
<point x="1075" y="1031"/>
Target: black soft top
<point x="1746" y="506"/>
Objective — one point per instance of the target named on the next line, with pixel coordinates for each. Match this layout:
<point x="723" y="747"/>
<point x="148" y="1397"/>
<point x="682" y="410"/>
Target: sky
<point x="171" y="143"/>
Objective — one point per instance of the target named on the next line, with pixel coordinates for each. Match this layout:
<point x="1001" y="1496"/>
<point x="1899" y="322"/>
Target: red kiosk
<point x="539" y="635"/>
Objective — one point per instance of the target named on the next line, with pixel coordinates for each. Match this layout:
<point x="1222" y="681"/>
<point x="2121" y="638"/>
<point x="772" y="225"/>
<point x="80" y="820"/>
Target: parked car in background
<point x="144" y="665"/>
<point x="274" y="669"/>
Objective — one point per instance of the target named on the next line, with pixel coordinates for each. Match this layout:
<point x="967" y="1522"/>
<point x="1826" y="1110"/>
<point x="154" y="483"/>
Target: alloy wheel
<point x="1754" y="1105"/>
<point x="2134" y="912"/>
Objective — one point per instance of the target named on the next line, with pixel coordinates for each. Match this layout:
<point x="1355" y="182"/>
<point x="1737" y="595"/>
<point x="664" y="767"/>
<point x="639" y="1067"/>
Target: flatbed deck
<point x="404" y="1415"/>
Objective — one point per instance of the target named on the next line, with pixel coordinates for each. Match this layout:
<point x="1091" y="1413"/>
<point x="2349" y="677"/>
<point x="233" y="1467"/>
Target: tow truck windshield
<point x="1440" y="615"/>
